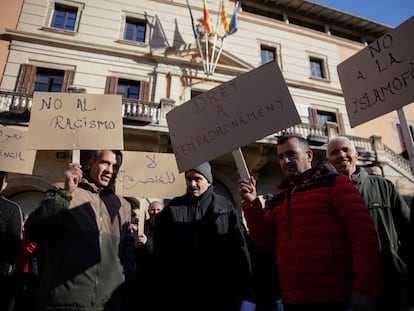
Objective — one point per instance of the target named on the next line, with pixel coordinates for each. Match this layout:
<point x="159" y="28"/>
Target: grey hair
<point x="340" y="139"/>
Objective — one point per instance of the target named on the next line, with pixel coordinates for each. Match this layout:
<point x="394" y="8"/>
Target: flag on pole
<point x="196" y="37"/>
<point x="195" y="31"/>
<point x="233" y="22"/>
<point x="224" y="19"/>
<point x="207" y="20"/>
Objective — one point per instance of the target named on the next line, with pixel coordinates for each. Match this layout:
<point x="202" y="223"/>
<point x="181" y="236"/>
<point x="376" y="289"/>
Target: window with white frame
<point x="318" y="66"/>
<point x="64" y="15"/>
<point x="267" y="54"/>
<point x="48" y="80"/>
<point x="34" y="78"/>
<point x="319" y="117"/>
<point x="128" y="88"/>
<point x="135" y="29"/>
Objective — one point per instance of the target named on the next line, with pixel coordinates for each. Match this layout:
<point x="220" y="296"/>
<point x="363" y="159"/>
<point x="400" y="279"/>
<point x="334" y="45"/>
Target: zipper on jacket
<point x="289" y="216"/>
<point x="95" y="292"/>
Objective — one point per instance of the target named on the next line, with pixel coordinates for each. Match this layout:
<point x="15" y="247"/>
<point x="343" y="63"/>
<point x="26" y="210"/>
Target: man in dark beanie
<point x="205" y="170"/>
<point x="200" y="249"/>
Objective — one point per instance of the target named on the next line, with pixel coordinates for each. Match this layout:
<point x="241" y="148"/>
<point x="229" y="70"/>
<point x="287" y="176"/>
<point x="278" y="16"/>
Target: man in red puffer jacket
<point x="327" y="251"/>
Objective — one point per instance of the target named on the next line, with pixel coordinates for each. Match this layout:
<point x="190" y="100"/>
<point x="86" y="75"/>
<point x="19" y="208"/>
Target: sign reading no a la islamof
<point x="234" y="114"/>
<point x="75" y="121"/>
<point x="13" y="155"/>
<point x="380" y="78"/>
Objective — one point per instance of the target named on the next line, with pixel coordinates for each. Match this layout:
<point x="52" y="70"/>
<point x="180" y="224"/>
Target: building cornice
<point x="44" y="39"/>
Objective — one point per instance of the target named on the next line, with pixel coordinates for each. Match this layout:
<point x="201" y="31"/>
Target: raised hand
<point x="73" y="175"/>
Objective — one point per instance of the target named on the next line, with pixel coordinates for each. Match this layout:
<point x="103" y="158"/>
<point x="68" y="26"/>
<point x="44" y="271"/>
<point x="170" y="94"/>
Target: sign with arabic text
<point x="13" y="155"/>
<point x="150" y="174"/>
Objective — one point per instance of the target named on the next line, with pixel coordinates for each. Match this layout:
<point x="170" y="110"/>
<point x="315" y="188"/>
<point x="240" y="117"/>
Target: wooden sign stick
<point x="76" y="156"/>
<point x="241" y="164"/>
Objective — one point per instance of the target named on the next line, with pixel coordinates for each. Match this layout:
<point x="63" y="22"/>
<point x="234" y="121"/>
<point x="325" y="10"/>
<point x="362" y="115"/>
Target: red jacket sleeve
<point x="261" y="231"/>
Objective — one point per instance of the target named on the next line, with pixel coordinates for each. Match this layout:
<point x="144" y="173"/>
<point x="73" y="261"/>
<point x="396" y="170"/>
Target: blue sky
<point x="389" y="12"/>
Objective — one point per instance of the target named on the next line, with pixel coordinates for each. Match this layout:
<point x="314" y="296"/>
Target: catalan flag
<point x="207" y="20"/>
<point x="224" y="19"/>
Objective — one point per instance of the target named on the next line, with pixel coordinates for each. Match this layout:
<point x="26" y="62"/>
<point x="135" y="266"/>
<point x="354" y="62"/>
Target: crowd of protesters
<point x="331" y="237"/>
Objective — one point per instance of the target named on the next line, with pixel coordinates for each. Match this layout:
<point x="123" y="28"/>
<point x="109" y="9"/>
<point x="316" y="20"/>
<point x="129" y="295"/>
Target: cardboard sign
<point x="13" y="155"/>
<point x="75" y="121"/>
<point x="150" y="174"/>
<point x="380" y="78"/>
<point x="234" y="114"/>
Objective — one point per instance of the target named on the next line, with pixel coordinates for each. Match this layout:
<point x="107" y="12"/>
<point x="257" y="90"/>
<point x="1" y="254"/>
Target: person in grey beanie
<point x="200" y="249"/>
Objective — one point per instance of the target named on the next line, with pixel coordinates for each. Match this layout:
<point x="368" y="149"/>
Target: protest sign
<point x="234" y="114"/>
<point x="75" y="121"/>
<point x="379" y="78"/>
<point x="13" y="155"/>
<point x="149" y="174"/>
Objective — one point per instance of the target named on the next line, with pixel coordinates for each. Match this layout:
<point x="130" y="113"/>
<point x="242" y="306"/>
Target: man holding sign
<point x="89" y="240"/>
<point x="325" y="242"/>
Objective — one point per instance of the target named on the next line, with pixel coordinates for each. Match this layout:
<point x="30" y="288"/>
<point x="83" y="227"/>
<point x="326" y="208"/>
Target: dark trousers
<point x="7" y="292"/>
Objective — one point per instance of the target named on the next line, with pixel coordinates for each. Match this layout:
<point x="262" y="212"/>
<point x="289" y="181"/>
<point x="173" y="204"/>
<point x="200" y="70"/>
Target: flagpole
<point x="212" y="54"/>
<point x="208" y="29"/>
<point x="200" y="50"/>
<point x="196" y="37"/>
<point x="207" y="58"/>
<point x="219" y="54"/>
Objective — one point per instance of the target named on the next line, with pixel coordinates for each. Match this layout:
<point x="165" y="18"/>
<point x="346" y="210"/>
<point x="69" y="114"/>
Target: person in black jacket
<point x="200" y="251"/>
<point x="138" y="284"/>
<point x="10" y="243"/>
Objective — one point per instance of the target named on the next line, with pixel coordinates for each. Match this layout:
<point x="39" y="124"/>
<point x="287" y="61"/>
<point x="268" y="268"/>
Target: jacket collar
<point x="321" y="168"/>
<point x="89" y="185"/>
<point x="359" y="175"/>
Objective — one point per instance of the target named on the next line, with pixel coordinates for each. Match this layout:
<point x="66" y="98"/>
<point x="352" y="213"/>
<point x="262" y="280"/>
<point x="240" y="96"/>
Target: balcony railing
<point x="138" y="111"/>
<point x="15" y="102"/>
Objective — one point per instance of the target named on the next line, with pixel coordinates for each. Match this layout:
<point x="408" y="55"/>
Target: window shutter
<point x="340" y="122"/>
<point x="68" y="79"/>
<point x="26" y="78"/>
<point x="313" y="116"/>
<point x="144" y="88"/>
<point x="111" y="83"/>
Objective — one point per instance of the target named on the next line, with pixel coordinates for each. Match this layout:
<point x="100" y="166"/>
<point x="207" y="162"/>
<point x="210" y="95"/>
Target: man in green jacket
<point x="391" y="216"/>
<point x="90" y="245"/>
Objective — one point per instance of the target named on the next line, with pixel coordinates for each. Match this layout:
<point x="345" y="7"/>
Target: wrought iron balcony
<point x="15" y="108"/>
